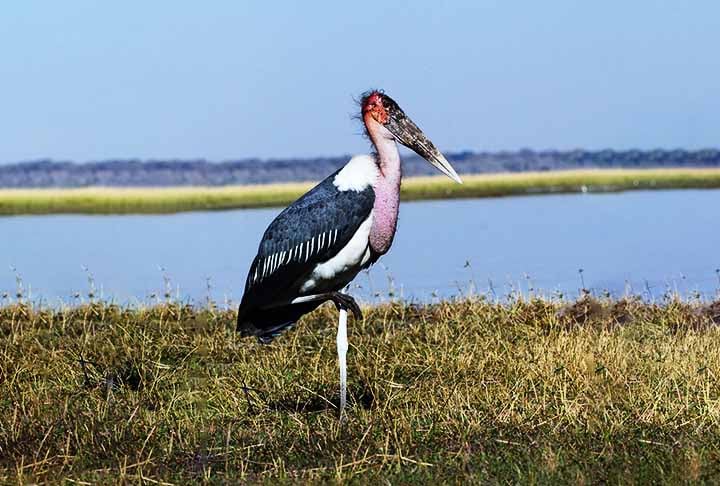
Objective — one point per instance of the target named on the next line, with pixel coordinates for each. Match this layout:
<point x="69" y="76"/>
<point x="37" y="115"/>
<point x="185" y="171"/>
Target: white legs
<point x="342" y="342"/>
<point x="342" y="347"/>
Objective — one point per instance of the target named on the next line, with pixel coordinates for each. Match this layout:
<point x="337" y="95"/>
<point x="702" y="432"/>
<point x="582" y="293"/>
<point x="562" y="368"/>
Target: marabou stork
<point x="318" y="244"/>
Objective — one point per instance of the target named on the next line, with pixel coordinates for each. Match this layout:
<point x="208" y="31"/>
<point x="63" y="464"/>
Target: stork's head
<point x="379" y="108"/>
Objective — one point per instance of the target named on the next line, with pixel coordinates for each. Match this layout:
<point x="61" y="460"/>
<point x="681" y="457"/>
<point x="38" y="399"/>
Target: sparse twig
<point x="649" y="292"/>
<point x="19" y="286"/>
<point x="583" y="289"/>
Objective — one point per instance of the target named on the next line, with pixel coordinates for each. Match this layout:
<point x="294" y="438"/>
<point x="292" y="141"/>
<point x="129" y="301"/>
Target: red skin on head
<point x="373" y="106"/>
<point x="387" y="185"/>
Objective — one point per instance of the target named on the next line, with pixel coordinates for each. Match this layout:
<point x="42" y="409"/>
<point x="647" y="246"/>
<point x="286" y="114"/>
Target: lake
<point x="644" y="242"/>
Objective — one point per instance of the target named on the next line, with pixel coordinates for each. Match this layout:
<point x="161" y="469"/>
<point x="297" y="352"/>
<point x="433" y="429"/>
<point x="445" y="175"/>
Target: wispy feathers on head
<point x="361" y="102"/>
<point x="379" y="107"/>
<point x="366" y="95"/>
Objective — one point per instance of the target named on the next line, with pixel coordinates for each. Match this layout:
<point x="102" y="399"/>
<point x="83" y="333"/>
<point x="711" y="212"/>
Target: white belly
<point x="342" y="268"/>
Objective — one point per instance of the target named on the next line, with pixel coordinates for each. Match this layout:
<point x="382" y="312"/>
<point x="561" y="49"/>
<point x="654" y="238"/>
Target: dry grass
<point x="170" y="200"/>
<point x="529" y="391"/>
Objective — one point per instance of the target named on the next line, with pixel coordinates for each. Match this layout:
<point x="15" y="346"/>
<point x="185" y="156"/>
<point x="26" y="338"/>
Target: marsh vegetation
<point x="473" y="390"/>
<point x="99" y="200"/>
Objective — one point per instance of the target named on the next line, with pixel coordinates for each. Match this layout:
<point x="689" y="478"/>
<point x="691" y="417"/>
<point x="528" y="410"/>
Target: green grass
<point x="171" y="200"/>
<point x="470" y="391"/>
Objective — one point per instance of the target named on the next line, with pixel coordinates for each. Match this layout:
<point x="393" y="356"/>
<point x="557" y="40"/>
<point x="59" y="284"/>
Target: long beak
<point x="408" y="134"/>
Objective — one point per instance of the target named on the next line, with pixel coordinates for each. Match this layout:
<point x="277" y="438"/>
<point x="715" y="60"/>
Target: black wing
<point x="311" y="230"/>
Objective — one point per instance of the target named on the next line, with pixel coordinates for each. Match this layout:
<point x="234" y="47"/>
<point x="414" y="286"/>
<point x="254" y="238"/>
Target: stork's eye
<point x="399" y="114"/>
<point x="390" y="105"/>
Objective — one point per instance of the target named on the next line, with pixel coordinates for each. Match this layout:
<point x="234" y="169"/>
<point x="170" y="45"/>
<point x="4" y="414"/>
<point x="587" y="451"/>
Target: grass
<point x="99" y="200"/>
<point x="530" y="391"/>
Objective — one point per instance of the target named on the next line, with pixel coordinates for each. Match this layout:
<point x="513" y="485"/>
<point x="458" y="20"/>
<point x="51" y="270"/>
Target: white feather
<point x="359" y="173"/>
<point x="347" y="261"/>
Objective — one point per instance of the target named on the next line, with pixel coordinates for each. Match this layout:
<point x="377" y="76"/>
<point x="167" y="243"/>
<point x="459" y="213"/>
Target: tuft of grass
<point x="529" y="391"/>
<point x="99" y="200"/>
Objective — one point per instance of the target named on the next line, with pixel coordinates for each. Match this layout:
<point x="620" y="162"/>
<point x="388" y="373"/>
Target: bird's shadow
<point x="323" y="399"/>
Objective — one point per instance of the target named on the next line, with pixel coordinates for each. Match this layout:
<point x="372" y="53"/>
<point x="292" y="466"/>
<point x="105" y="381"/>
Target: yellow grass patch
<point x="103" y="200"/>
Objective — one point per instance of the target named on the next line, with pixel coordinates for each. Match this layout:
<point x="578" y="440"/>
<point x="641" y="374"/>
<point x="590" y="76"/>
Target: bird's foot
<point x="344" y="301"/>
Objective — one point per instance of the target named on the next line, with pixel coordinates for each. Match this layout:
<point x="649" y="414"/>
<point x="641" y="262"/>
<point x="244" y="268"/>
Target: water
<point x="642" y="242"/>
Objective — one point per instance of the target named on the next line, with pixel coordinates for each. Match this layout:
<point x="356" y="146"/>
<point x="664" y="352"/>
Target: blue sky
<point x="88" y="80"/>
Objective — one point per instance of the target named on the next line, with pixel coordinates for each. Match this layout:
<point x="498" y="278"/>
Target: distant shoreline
<point x="167" y="200"/>
<point x="48" y="173"/>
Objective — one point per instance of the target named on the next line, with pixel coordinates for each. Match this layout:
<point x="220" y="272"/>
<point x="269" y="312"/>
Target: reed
<point x="99" y="200"/>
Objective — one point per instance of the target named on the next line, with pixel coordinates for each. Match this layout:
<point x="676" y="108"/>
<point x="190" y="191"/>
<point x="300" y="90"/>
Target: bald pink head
<point x="373" y="107"/>
<point x="385" y="121"/>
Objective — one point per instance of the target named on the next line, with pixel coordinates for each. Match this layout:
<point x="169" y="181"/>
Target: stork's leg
<point x="345" y="301"/>
<point x="342" y="347"/>
<point x="339" y="299"/>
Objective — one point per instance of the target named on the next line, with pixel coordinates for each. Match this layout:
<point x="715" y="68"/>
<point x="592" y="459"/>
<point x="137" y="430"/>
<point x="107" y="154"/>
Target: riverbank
<point x="98" y="200"/>
<point x="538" y="391"/>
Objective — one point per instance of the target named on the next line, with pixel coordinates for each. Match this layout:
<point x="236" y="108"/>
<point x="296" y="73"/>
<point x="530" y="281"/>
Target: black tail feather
<point x="267" y="324"/>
